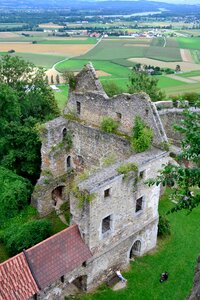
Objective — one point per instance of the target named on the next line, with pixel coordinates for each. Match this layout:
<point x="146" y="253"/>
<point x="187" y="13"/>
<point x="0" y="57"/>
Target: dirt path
<point x="183" y="79"/>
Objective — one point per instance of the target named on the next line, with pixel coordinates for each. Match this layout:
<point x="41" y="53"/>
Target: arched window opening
<point x="69" y="163"/>
<point x="57" y="195"/>
<point x="64" y="133"/>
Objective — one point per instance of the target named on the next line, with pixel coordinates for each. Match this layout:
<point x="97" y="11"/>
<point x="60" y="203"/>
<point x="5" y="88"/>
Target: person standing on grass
<point x="120" y="276"/>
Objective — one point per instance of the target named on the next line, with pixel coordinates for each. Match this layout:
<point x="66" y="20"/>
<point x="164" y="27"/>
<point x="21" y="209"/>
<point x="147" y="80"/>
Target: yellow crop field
<point x="63" y="49"/>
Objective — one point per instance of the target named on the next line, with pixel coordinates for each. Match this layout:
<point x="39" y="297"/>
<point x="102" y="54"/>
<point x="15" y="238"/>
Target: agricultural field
<point x="112" y="57"/>
<point x="189" y="43"/>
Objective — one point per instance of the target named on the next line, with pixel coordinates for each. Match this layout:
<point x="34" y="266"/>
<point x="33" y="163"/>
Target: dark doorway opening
<point x="81" y="282"/>
<point x="135" y="250"/>
<point x="57" y="194"/>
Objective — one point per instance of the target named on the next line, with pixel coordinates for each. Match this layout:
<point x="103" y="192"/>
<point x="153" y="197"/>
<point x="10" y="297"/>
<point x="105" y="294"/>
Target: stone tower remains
<point x="116" y="213"/>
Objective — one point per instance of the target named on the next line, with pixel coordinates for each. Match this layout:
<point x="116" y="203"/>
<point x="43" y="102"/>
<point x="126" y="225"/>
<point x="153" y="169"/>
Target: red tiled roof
<point x="16" y="280"/>
<point x="57" y="255"/>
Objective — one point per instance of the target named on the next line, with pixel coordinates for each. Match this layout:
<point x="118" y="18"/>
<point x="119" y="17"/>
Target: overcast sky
<point x="167" y="1"/>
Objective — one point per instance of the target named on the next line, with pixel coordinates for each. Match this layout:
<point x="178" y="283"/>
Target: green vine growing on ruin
<point x="83" y="196"/>
<point x="127" y="168"/>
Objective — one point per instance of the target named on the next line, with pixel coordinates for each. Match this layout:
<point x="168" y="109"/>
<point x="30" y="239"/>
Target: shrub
<point x="109" y="125"/>
<point x="111" y="88"/>
<point x="26" y="235"/>
<point x="163" y="226"/>
<point x="14" y="194"/>
<point x="192" y="98"/>
<point x="126" y="168"/>
<point x="141" y="136"/>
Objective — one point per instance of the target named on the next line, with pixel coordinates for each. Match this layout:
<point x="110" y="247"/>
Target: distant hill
<point x="133" y="6"/>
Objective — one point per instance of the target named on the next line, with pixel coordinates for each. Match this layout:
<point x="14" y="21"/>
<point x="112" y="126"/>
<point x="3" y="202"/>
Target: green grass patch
<point x="165" y="82"/>
<point x="61" y="96"/>
<point x="112" y="49"/>
<point x="57" y="224"/>
<point x="43" y="60"/>
<point x="114" y="69"/>
<point x="172" y="43"/>
<point x="186" y="88"/>
<point x="173" y="254"/>
<point x="75" y="42"/>
<point x="190" y="74"/>
<point x="120" y="82"/>
<point x="163" y="53"/>
<point x="189" y="42"/>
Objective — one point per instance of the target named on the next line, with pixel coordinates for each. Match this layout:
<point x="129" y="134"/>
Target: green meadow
<point x="189" y="42"/>
<point x="68" y="41"/>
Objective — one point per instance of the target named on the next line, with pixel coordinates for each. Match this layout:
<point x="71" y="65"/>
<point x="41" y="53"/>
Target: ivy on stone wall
<point x="83" y="196"/>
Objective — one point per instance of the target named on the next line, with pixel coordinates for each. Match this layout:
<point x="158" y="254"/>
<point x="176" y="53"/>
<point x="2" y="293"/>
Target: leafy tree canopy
<point x="25" y="100"/>
<point x="14" y="194"/>
<point x="141" y="81"/>
<point x="184" y="178"/>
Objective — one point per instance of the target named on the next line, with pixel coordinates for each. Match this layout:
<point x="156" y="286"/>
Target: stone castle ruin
<point x="113" y="213"/>
<point x="118" y="215"/>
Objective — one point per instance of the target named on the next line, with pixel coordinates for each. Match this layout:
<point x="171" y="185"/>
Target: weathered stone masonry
<point x="121" y="220"/>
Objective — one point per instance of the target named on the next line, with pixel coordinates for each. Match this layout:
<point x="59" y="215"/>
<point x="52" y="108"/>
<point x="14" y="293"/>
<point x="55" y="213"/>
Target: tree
<point x="184" y="177"/>
<point x="142" y="82"/>
<point x="14" y="194"/>
<point x="69" y="78"/>
<point x="142" y="136"/>
<point x="178" y="68"/>
<point x="57" y="79"/>
<point x="25" y="100"/>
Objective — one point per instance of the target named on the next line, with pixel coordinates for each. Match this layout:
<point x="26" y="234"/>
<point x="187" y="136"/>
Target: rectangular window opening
<point x="119" y="116"/>
<point x="142" y="174"/>
<point x="139" y="203"/>
<point x="62" y="279"/>
<point x="78" y="107"/>
<point x="106" y="224"/>
<point x="107" y="193"/>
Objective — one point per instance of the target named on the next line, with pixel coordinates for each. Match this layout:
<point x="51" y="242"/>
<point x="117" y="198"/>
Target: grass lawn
<point x="189" y="43"/>
<point x="61" y="97"/>
<point x="176" y="254"/>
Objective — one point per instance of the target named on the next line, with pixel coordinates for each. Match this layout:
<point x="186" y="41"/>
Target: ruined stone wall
<point x="90" y="148"/>
<point x="120" y="204"/>
<point x="171" y="116"/>
<point x="59" y="290"/>
<point x="117" y="256"/>
<point x="95" y="106"/>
